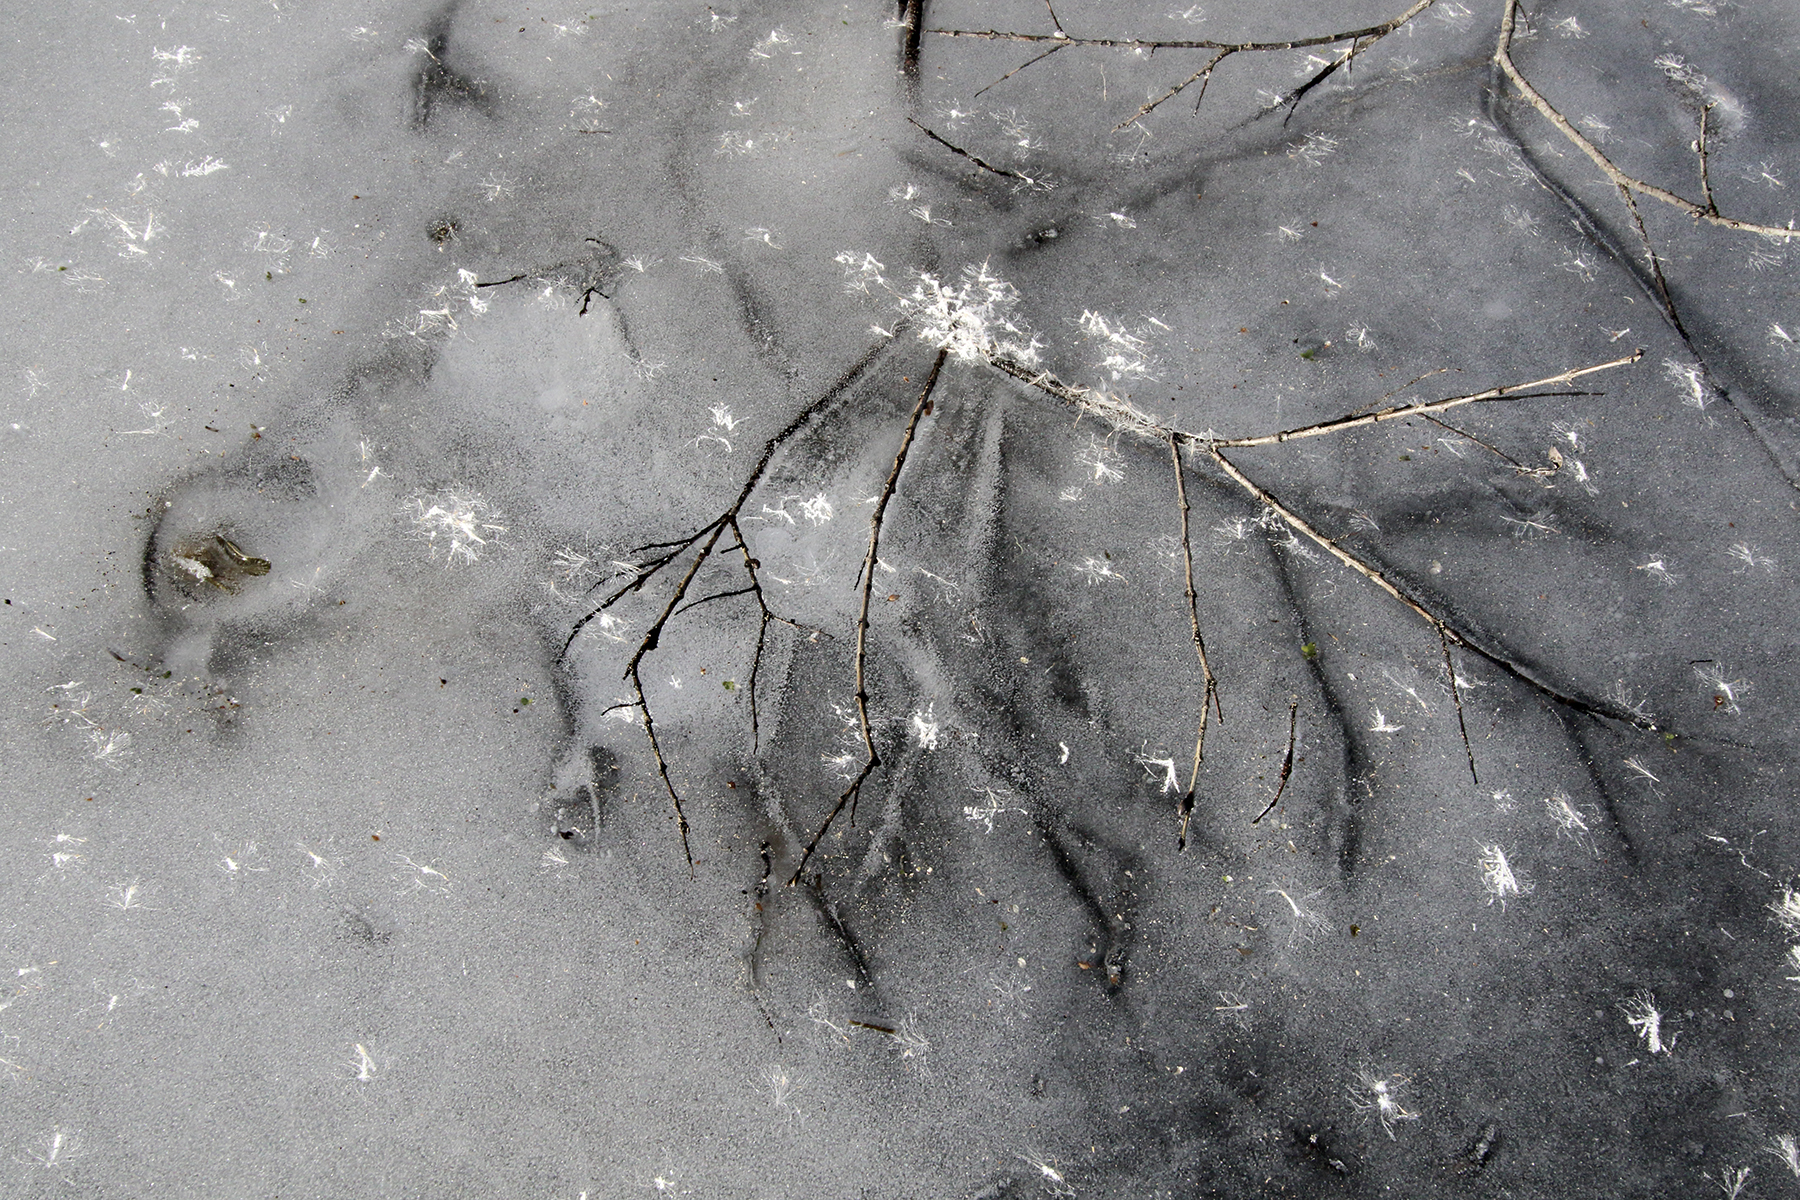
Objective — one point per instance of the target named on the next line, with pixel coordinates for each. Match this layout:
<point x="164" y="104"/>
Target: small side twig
<point x="1203" y="76"/>
<point x="1028" y="62"/>
<point x="1004" y="172"/>
<point x="1654" y="261"/>
<point x="1287" y="764"/>
<point x="1712" y="206"/>
<point x="1515" y="464"/>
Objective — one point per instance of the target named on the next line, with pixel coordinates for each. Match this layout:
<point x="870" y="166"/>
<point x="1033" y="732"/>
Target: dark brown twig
<point x="1004" y="172"/>
<point x="1204" y="75"/>
<point x="1456" y="695"/>
<point x="1515" y="464"/>
<point x="872" y="757"/>
<point x="1712" y="206"/>
<point x="1325" y="39"/>
<point x="1028" y="62"/>
<point x="911" y="22"/>
<point x="1654" y="261"/>
<point x="1360" y="40"/>
<point x="706" y="538"/>
<point x="1206" y="672"/>
<point x="1287" y="763"/>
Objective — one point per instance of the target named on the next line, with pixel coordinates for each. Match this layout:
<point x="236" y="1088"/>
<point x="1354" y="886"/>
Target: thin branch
<point x="707" y="539"/>
<point x="1028" y="62"/>
<point x="1425" y="408"/>
<point x="1438" y="624"/>
<point x="872" y="757"/>
<point x="1360" y="40"/>
<point x="651" y="639"/>
<point x="1287" y="763"/>
<point x="1204" y="75"/>
<point x="1456" y="695"/>
<point x="769" y="616"/>
<point x="1325" y="39"/>
<point x="1212" y="684"/>
<point x="1712" y="206"/>
<point x="1373" y="404"/>
<point x="1293" y="98"/>
<point x="644" y="572"/>
<point x="1656" y="272"/>
<point x="1503" y="57"/>
<point x="708" y="599"/>
<point x="1332" y="548"/>
<point x="1515" y="464"/>
<point x="1085" y="399"/>
<point x="978" y="161"/>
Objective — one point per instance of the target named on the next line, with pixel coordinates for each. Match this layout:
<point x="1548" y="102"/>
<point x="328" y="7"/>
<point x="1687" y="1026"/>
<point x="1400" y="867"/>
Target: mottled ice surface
<point x="357" y="352"/>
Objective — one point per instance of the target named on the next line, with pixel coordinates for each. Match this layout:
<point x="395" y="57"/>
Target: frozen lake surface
<point x="620" y="600"/>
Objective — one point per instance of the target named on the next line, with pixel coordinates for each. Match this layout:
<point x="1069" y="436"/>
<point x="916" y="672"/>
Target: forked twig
<point x="872" y="757"/>
<point x="1515" y="464"/>
<point x="706" y="538"/>
<point x="1203" y="75"/>
<point x="1359" y="39"/>
<point x="1214" y="448"/>
<point x="1503" y="58"/>
<point x="1063" y="45"/>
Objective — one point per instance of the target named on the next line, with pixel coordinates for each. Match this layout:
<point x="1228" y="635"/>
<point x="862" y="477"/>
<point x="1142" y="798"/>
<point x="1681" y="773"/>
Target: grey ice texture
<point x="356" y="352"/>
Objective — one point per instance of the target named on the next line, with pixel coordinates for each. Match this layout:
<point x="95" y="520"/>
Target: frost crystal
<point x="975" y="320"/>
<point x="460" y="524"/>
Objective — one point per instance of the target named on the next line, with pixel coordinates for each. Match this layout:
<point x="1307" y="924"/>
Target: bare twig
<point x="1456" y="695"/>
<point x="1087" y="400"/>
<point x="651" y="639"/>
<point x="1287" y="765"/>
<point x="1325" y="39"/>
<point x="1654" y="261"/>
<point x="706" y="538"/>
<point x="1378" y="401"/>
<point x="1203" y="75"/>
<point x="1005" y="172"/>
<point x="872" y="757"/>
<point x="1360" y="40"/>
<point x="1503" y="58"/>
<point x="1515" y="464"/>
<point x="1028" y="62"/>
<point x="1439" y="625"/>
<point x="1206" y="672"/>
<point x="1712" y="206"/>
<point x="1512" y="391"/>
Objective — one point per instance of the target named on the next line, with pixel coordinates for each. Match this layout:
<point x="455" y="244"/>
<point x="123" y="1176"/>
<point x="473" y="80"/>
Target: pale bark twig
<point x="1503" y="57"/>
